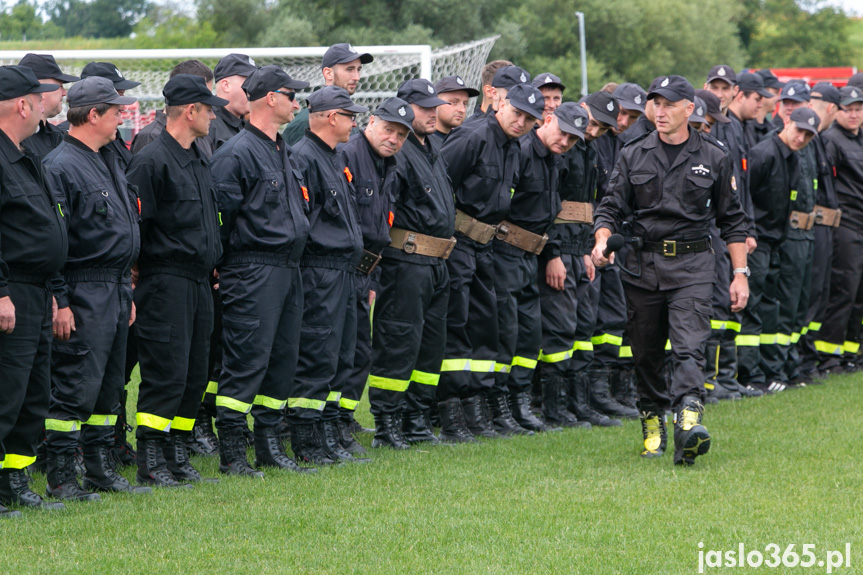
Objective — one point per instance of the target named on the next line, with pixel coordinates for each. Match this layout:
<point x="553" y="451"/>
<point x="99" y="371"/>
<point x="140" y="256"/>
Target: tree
<point x="22" y="22"/>
<point x="97" y="18"/>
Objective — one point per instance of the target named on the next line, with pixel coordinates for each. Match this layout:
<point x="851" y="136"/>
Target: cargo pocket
<point x="66" y="360"/>
<point x="244" y="347"/>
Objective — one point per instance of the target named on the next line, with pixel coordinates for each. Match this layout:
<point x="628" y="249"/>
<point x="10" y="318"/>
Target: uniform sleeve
<point x="617" y="203"/>
<point x="730" y="217"/>
<point x="230" y="192"/>
<point x="61" y="188"/>
<point x="759" y="172"/>
<point x="142" y="174"/>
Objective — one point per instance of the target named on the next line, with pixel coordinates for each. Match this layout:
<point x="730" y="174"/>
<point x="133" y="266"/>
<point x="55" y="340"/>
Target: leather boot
<point x="416" y="429"/>
<point x="177" y="458"/>
<point x="476" y="418"/>
<point x="15" y="490"/>
<point x="621" y="382"/>
<point x="691" y="439"/>
<point x="579" y="403"/>
<point x="388" y="432"/>
<point x="152" y="467"/>
<point x="353" y="425"/>
<point x="63" y="481"/>
<point x="232" y="454"/>
<point x="453" y="428"/>
<point x="122" y="451"/>
<point x="6" y="513"/>
<point x="101" y="473"/>
<point x="270" y="453"/>
<point x="601" y="400"/>
<point x="308" y="445"/>
<point x="347" y="438"/>
<point x="654" y="432"/>
<point x="554" y="404"/>
<point x="519" y="405"/>
<point x="203" y="440"/>
<point x="333" y="445"/>
<point x="501" y="416"/>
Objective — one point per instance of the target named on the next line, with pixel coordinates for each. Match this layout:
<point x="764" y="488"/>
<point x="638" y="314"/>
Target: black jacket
<point x="577" y="180"/>
<point x="845" y="152"/>
<point x="536" y="199"/>
<point x="223" y="127"/>
<point x="774" y="173"/>
<point x="607" y="147"/>
<point x="825" y="193"/>
<point x="152" y="130"/>
<point x="804" y="186"/>
<point x="46" y="139"/>
<point x="731" y="135"/>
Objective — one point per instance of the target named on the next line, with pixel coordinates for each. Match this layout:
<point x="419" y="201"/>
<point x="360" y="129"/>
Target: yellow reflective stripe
<point x="827" y="347"/>
<point x="13" y="461"/>
<point x="182" y="423"/>
<point x="212" y="387"/>
<point x="747" y="341"/>
<point x="233" y="404"/>
<point x="425" y="378"/>
<point x="851" y="346"/>
<point x="582" y="346"/>
<point x="625" y="351"/>
<point x="795" y="337"/>
<point x="804" y="330"/>
<point x="220" y="219"/>
<point x="524" y="362"/>
<point x="455" y="365"/>
<point x="555" y="357"/>
<point x="501" y="367"/>
<point x="388" y="383"/>
<point x="153" y="421"/>
<point x="348" y="403"/>
<point x="101" y="420"/>
<point x="305" y="403"/>
<point x="668" y="345"/>
<point x="815" y="326"/>
<point x="723" y="325"/>
<point x="793" y="195"/>
<point x="774" y="339"/>
<point x="270" y="402"/>
<point x="334" y="396"/>
<point x="64" y="426"/>
<point x="482" y="365"/>
<point x="606" y="338"/>
<point x="709" y="386"/>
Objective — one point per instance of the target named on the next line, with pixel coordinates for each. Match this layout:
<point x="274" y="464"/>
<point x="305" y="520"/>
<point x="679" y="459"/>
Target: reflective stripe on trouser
<point x="610" y="331"/>
<point x="819" y="292"/>
<point x="842" y="319"/>
<point x="558" y="310"/>
<point x="87" y="370"/>
<point x="761" y="314"/>
<point x="588" y="302"/>
<point x="261" y="315"/>
<point x="327" y="341"/>
<point x="518" y="317"/>
<point x="793" y="297"/>
<point x="175" y="320"/>
<point x="352" y="382"/>
<point x="409" y="334"/>
<point x="208" y="403"/>
<point x="724" y="324"/>
<point x="471" y="331"/>
<point x="25" y="374"/>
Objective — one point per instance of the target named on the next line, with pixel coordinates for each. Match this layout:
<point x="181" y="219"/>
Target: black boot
<point x="347" y="438"/>
<point x="203" y="440"/>
<point x="453" y="428"/>
<point x="353" y="425"/>
<point x="579" y="403"/>
<point x="333" y="444"/>
<point x="476" y="417"/>
<point x="232" y="454"/>
<point x="122" y="451"/>
<point x="15" y="490"/>
<point x="519" y="405"/>
<point x="388" y="432"/>
<point x="270" y="453"/>
<point x="416" y="428"/>
<point x="6" y="513"/>
<point x="501" y="416"/>
<point x="308" y="445"/>
<point x="601" y="400"/>
<point x="101" y="474"/>
<point x="63" y="481"/>
<point x="152" y="467"/>
<point x="691" y="439"/>
<point x="621" y="382"/>
<point x="654" y="432"/>
<point x="177" y="457"/>
<point x="554" y="404"/>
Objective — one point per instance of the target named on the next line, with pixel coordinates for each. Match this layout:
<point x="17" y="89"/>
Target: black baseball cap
<point x="110" y="71"/>
<point x="806" y="119"/>
<point x="722" y="72"/>
<point x="700" y="111"/>
<point x="510" y="76"/>
<point x="45" y="67"/>
<point x="421" y="92"/>
<point x="268" y="79"/>
<point x="185" y="89"/>
<point x="713" y="106"/>
<point x="548" y="79"/>
<point x="630" y="97"/>
<point x="17" y="81"/>
<point x="95" y="90"/>
<point x="673" y="88"/>
<point x="827" y="92"/>
<point x="856" y="80"/>
<point x="603" y="107"/>
<point x="753" y="83"/>
<point x="234" y="65"/>
<point x="770" y="79"/>
<point x="527" y="99"/>
<point x="333" y="98"/>
<point x="396" y="110"/>
<point x="797" y="91"/>
<point x="851" y="94"/>
<point x="572" y="118"/>
<point x="342" y="54"/>
<point x="454" y="84"/>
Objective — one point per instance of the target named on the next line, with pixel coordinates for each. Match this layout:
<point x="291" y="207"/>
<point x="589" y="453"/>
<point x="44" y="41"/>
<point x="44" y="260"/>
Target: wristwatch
<point x="744" y="271"/>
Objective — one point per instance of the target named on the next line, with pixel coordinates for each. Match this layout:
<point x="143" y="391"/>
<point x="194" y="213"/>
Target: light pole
<point x="580" y="16"/>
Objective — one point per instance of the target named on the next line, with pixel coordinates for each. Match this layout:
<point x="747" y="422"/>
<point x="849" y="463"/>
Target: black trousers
<point x="559" y="314"/>
<point x="724" y="324"/>
<point x="409" y="334"/>
<point x="327" y="343"/>
<point x="795" y="260"/>
<point x="609" y="335"/>
<point x="25" y="366"/>
<point x="262" y="310"/>
<point x="208" y="405"/>
<point x="760" y="317"/>
<point x="173" y="328"/>
<point x="819" y="293"/>
<point x="87" y="375"/>
<point x="842" y="319"/>
<point x="681" y="316"/>
<point x="588" y="306"/>
<point x="352" y="382"/>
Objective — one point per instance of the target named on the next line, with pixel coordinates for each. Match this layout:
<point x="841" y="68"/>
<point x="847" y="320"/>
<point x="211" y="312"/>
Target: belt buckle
<point x="795" y="220"/>
<point x="819" y="216"/>
<point x="409" y="246"/>
<point x="501" y="231"/>
<point x="669" y="248"/>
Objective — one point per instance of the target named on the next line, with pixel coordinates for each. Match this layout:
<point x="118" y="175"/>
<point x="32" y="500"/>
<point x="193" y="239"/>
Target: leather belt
<point x="671" y="248"/>
<point x="801" y="221"/>
<point x="521" y="238"/>
<point x="575" y="213"/>
<point x="827" y="217"/>
<point x="368" y="262"/>
<point x="416" y="243"/>
<point x="476" y="230"/>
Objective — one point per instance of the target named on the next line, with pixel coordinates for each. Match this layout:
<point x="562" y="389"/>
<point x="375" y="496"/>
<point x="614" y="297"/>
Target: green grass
<point x="783" y="469"/>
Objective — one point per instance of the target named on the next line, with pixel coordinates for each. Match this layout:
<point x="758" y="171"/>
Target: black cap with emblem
<point x="699" y="112"/>
<point x="672" y="88"/>
<point x="454" y="84"/>
<point x="548" y="80"/>
<point x="603" y="107"/>
<point x="396" y="110"/>
<point x="631" y="97"/>
<point x="850" y="95"/>
<point x="722" y="72"/>
<point x="714" y="106"/>
<point x="510" y="76"/>
<point x="806" y="119"/>
<point x="572" y="119"/>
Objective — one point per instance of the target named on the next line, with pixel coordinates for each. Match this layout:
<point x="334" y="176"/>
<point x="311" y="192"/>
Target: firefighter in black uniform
<point x="264" y="228"/>
<point x="33" y="251"/>
<point x="504" y="79"/>
<point x="453" y="91"/>
<point x="47" y="71"/>
<point x="328" y="266"/>
<point x="95" y="303"/>
<point x="670" y="185"/>
<point x="410" y="314"/>
<point x="179" y="249"/>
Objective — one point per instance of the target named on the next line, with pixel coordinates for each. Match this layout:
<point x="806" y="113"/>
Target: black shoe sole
<point x="697" y="443"/>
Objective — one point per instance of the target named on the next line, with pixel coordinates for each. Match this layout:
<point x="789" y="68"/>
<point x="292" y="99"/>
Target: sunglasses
<point x="290" y="95"/>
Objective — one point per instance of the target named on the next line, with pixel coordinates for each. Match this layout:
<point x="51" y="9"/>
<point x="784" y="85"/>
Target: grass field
<point x="783" y="469"/>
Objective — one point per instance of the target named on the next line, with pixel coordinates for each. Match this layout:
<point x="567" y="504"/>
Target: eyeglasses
<point x="353" y="117"/>
<point x="290" y="95"/>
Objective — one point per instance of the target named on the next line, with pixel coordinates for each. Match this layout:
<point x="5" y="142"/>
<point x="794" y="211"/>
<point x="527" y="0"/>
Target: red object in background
<point x="837" y="75"/>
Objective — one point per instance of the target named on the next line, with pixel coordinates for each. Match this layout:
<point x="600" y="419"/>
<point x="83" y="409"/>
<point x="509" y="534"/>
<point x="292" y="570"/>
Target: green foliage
<point x="164" y="27"/>
<point x="97" y="18"/>
<point x="237" y="22"/>
<point x="22" y="22"/>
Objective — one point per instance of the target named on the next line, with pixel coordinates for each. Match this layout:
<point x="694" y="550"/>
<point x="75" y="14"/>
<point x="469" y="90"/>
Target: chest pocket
<point x="646" y="189"/>
<point x="699" y="194"/>
<point x="272" y="189"/>
<point x="365" y="192"/>
<point x="96" y="204"/>
<point x="181" y="208"/>
<point x="332" y="207"/>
